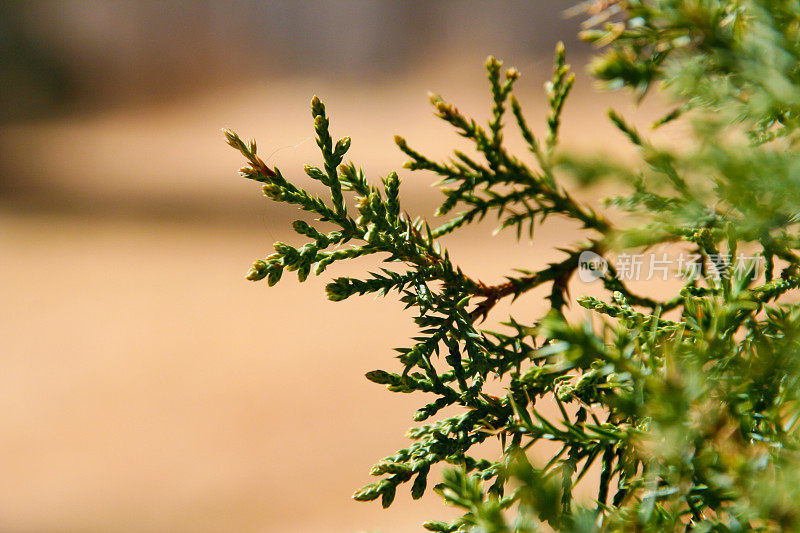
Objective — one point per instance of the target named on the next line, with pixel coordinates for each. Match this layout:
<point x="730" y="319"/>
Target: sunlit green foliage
<point x="689" y="405"/>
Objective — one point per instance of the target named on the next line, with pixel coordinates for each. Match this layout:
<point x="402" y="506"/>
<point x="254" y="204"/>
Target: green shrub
<point x="688" y="405"/>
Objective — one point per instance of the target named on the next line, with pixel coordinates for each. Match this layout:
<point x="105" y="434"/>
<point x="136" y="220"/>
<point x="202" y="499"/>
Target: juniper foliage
<point x="688" y="405"/>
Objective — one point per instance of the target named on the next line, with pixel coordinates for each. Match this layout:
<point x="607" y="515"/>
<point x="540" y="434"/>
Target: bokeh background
<point x="145" y="385"/>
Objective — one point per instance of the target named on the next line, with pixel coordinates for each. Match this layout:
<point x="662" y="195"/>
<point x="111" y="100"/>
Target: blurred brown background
<point x="144" y="384"/>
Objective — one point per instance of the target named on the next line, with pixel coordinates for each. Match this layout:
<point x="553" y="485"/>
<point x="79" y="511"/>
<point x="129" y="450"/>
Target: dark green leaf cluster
<point x="688" y="406"/>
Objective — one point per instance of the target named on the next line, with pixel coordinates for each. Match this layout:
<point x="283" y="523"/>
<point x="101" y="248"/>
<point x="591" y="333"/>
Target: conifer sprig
<point x="688" y="406"/>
